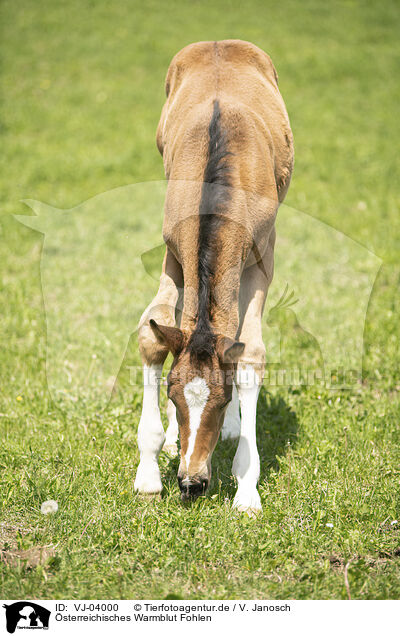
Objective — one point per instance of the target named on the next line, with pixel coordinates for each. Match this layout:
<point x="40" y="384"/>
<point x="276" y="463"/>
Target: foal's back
<point x="244" y="81"/>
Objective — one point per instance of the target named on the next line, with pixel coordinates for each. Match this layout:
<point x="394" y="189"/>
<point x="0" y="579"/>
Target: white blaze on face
<point x="196" y="395"/>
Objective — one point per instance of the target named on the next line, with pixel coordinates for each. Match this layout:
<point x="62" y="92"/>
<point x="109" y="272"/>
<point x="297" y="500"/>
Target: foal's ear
<point x="172" y="337"/>
<point x="229" y="351"/>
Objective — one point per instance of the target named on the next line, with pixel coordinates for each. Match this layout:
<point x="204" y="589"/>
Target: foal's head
<point x="200" y="386"/>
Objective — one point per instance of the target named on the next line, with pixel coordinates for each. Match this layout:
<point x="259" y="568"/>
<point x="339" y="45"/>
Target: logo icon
<point x="26" y="615"/>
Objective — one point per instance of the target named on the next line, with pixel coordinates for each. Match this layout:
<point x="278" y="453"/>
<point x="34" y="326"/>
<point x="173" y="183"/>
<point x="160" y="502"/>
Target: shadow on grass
<point x="277" y="425"/>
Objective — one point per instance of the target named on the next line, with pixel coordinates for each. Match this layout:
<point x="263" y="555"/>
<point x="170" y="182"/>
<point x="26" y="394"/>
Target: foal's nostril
<point x="192" y="488"/>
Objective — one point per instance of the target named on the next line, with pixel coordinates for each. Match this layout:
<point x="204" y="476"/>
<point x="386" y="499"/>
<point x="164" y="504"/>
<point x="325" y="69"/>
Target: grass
<point x="82" y="89"/>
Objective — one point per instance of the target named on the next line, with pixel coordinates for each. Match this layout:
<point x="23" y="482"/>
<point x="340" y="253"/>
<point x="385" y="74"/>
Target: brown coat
<point x="243" y="79"/>
<point x="227" y="147"/>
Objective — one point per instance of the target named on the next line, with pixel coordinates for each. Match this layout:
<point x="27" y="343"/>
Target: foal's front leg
<point x="151" y="434"/>
<point x="246" y="463"/>
<point x="250" y="371"/>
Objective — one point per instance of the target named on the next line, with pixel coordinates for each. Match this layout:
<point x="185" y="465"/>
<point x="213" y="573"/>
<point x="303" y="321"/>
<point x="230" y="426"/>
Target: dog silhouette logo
<point x="26" y="615"/>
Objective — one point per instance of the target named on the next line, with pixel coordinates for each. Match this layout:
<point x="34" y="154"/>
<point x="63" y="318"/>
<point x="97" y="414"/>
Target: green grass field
<point x="81" y="93"/>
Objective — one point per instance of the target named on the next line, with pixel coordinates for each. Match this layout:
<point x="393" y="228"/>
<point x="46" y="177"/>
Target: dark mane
<point x="214" y="195"/>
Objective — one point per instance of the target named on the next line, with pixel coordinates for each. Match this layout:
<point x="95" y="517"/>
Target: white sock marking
<point x="246" y="464"/>
<point x="196" y="395"/>
<point x="150" y="433"/>
<point x="231" y="426"/>
<point x="171" y="435"/>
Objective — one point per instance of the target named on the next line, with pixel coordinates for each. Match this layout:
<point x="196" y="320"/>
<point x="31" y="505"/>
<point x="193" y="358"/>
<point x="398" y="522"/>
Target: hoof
<point x="248" y="503"/>
<point x="148" y="480"/>
<point x="171" y="449"/>
<point x="150" y="496"/>
<point x="250" y="512"/>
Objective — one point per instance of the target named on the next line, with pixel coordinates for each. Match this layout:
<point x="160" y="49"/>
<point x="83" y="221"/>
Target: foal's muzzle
<point x="192" y="488"/>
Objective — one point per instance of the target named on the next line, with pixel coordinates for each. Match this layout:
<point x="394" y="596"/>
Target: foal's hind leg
<point x="171" y="435"/>
<point x="231" y="426"/>
<point x="151" y="434"/>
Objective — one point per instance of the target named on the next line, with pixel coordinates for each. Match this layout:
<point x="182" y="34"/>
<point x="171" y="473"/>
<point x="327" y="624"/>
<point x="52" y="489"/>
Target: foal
<point x="227" y="147"/>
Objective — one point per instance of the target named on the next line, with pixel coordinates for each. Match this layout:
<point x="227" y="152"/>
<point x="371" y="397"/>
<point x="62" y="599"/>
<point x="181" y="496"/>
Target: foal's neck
<point x="223" y="310"/>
